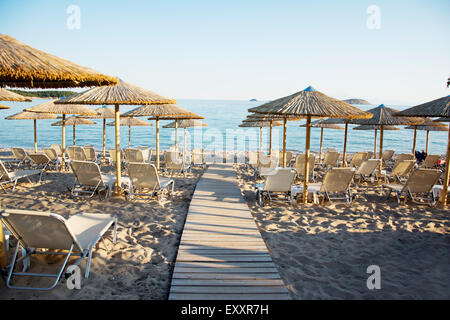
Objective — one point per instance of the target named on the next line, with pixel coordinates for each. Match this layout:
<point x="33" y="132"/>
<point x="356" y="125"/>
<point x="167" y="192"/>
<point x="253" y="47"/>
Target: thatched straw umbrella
<point x="26" y="67"/>
<point x="159" y="112"/>
<point x="3" y="107"/>
<point x="255" y="123"/>
<point x="185" y="123"/>
<point x="375" y="128"/>
<point x="51" y="107"/>
<point x="308" y="104"/>
<point x="6" y="95"/>
<point x="121" y="94"/>
<point x="25" y="115"/>
<point x="436" y="108"/>
<point x="321" y="125"/>
<point x="103" y="113"/>
<point x="73" y="121"/>
<point x="130" y="122"/>
<point x="428" y="125"/>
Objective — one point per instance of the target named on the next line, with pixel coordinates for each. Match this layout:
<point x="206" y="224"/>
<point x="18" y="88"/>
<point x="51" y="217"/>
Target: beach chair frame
<point x="330" y="193"/>
<point x="172" y="166"/>
<point x="366" y="171"/>
<point x="266" y="192"/>
<point x="7" y="178"/>
<point x="41" y="161"/>
<point x="75" y="248"/>
<point x="21" y="155"/>
<point x="79" y="188"/>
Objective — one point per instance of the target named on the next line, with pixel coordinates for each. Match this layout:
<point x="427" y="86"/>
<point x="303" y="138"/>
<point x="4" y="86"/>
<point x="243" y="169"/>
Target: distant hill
<point x="44" y="93"/>
<point x="357" y="101"/>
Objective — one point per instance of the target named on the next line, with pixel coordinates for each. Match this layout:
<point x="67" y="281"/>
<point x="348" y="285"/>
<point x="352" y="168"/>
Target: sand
<point x="138" y="266"/>
<point x="323" y="251"/>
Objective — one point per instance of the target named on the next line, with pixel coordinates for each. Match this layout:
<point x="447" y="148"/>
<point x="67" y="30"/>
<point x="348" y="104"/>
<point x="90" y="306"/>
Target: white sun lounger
<point x="90" y="180"/>
<point x="275" y="185"/>
<point x="14" y="176"/>
<point x="41" y="232"/>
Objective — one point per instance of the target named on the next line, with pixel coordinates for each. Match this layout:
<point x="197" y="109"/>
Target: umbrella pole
<point x="73" y="135"/>
<point x="129" y="137"/>
<point x="381" y="151"/>
<point x="35" y="135"/>
<point x="320" y="148"/>
<point x="157" y="143"/>
<point x="260" y="139"/>
<point x="344" y="155"/>
<point x="184" y="147"/>
<point x="305" y="183"/>
<point x="63" y="147"/>
<point x="445" y="186"/>
<point x="104" y="140"/>
<point x="375" y="145"/>
<point x="117" y="131"/>
<point x="414" y="142"/>
<point x="2" y="245"/>
<point x="284" y="142"/>
<point x="270" y="138"/>
<point x="426" y="147"/>
<point x="176" y="132"/>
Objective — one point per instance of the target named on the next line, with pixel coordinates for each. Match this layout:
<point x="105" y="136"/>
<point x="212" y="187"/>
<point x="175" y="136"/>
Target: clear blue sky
<point x="250" y="49"/>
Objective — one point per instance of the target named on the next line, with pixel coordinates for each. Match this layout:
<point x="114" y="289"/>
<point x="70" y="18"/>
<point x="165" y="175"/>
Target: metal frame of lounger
<point x="158" y="187"/>
<point x="74" y="192"/>
<point x="172" y="166"/>
<point x="20" y="154"/>
<point x="19" y="174"/>
<point x="41" y="160"/>
<point x="348" y="197"/>
<point x="366" y="171"/>
<point x="197" y="154"/>
<point x="28" y="251"/>
<point x="273" y="196"/>
<point x="406" y="165"/>
<point x="300" y="164"/>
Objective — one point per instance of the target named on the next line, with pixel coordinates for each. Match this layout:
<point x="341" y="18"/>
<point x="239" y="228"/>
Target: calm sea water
<point x="222" y="133"/>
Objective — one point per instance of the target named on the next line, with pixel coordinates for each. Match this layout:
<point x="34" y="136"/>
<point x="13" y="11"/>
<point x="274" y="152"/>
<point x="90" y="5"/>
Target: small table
<point x="313" y="188"/>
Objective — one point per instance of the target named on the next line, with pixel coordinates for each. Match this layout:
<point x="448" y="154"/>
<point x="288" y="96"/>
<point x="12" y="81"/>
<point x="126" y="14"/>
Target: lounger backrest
<point x="253" y="158"/>
<point x="172" y="157"/>
<point x="368" y="167"/>
<point x="87" y="173"/>
<point x="422" y="180"/>
<point x="76" y="153"/>
<point x="403" y="168"/>
<point x="289" y="156"/>
<point x="300" y="163"/>
<point x="4" y="173"/>
<point x="39" y="158"/>
<point x="51" y="153"/>
<point x="387" y="155"/>
<point x="90" y="153"/>
<point x="430" y="161"/>
<point x="403" y="156"/>
<point x="57" y="148"/>
<point x="36" y="229"/>
<point x="281" y="181"/>
<point x="264" y="161"/>
<point x="143" y="175"/>
<point x="358" y="159"/>
<point x="337" y="179"/>
<point x="369" y="155"/>
<point x="112" y="154"/>
<point x="197" y="156"/>
<point x="330" y="158"/>
<point x="19" y="153"/>
<point x="133" y="155"/>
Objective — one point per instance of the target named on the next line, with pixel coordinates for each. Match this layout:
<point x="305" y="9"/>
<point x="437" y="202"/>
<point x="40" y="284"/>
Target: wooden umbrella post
<point x="307" y="145"/>
<point x="284" y="142"/>
<point x="381" y="151"/>
<point x="426" y="147"/>
<point x="344" y="155"/>
<point x="414" y="142"/>
<point x="176" y="132"/>
<point x="447" y="159"/>
<point x="35" y="135"/>
<point x="2" y="245"/>
<point x="73" y="135"/>
<point x="157" y="143"/>
<point x="104" y="142"/>
<point x="260" y="139"/>
<point x="270" y="137"/>
<point x="375" y="145"/>
<point x="129" y="136"/>
<point x="117" y="131"/>
<point x="320" y="148"/>
<point x="63" y="147"/>
<point x="184" y="146"/>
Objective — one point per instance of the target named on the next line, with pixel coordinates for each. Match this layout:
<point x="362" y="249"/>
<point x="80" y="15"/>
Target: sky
<point x="391" y="52"/>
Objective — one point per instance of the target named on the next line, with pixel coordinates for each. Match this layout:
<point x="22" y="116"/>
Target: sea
<point x="222" y="132"/>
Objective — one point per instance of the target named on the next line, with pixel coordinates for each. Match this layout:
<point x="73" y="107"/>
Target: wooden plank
<point x="223" y="296"/>
<point x="226" y="270"/>
<point x="227" y="282"/>
<point x="225" y="276"/>
<point x="228" y="258"/>
<point x="212" y="264"/>
<point x="225" y="289"/>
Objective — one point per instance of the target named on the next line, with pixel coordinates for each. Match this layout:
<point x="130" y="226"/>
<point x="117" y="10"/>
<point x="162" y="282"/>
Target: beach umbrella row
<point x="254" y="123"/>
<point x="73" y="121"/>
<point x="103" y="113"/>
<point x="130" y="122"/>
<point x="321" y="125"/>
<point x="428" y="125"/>
<point x="375" y="128"/>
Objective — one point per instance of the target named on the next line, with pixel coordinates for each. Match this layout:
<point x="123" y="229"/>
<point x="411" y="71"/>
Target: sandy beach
<point x="323" y="251"/>
<point x="138" y="266"/>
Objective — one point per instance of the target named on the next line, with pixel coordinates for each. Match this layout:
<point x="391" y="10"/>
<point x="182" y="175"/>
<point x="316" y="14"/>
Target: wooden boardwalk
<point x="222" y="255"/>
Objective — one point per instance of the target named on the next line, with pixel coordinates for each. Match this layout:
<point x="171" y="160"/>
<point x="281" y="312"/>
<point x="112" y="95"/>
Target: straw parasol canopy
<point x="321" y="125"/>
<point x="103" y="113"/>
<point x="130" y="122"/>
<point x="6" y="95"/>
<point x="121" y="94"/>
<point x="26" y="115"/>
<point x="2" y="107"/>
<point x="161" y="112"/>
<point x="73" y="121"/>
<point x="375" y="128"/>
<point x="309" y="103"/>
<point x="51" y="107"/>
<point x="436" y="108"/>
<point x="428" y="125"/>
<point x="256" y="123"/>
<point x="27" y="67"/>
<point x="185" y="123"/>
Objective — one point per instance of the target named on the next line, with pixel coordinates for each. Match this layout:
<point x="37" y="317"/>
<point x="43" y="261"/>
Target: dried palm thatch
<point x="436" y="108"/>
<point x="120" y="94"/>
<point x="167" y="111"/>
<point x="383" y="115"/>
<point x="73" y="121"/>
<point x="102" y="113"/>
<point x="26" y="115"/>
<point x="6" y="95"/>
<point x="321" y="124"/>
<point x="26" y="67"/>
<point x="186" y="116"/>
<point x="186" y="123"/>
<point x="51" y="107"/>
<point x="2" y="107"/>
<point x="311" y="103"/>
<point x="430" y="125"/>
<point x="374" y="127"/>
<point x="258" y="124"/>
<point x="131" y="122"/>
<point x="443" y="119"/>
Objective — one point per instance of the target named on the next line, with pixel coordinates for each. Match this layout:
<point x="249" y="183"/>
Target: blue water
<point x="222" y="117"/>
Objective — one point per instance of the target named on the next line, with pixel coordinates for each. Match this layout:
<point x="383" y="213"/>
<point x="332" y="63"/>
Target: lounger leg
<point x="14" y="186"/>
